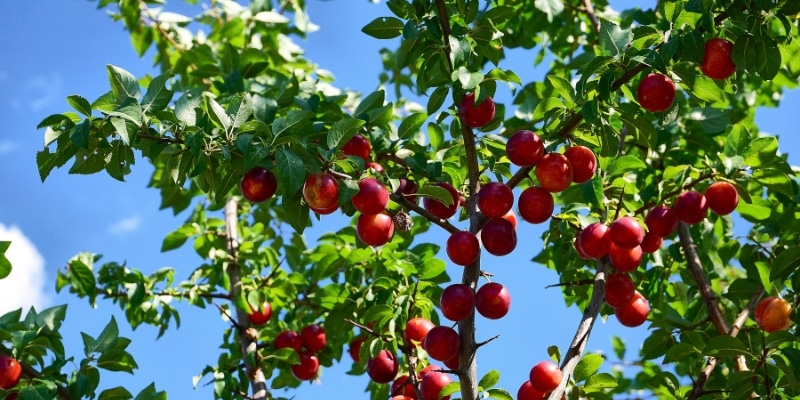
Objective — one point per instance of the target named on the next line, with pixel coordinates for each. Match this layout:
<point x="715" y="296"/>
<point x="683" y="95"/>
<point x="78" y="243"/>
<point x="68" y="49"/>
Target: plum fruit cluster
<point x="307" y="343"/>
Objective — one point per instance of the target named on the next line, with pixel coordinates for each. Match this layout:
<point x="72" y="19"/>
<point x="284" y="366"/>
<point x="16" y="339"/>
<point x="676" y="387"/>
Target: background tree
<point x="238" y="112"/>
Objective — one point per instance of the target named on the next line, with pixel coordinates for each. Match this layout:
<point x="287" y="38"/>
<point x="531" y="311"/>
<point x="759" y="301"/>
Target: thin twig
<point x="444" y="21"/>
<point x="410" y="205"/>
<point x="485" y="342"/>
<point x="588" y="8"/>
<point x="675" y="192"/>
<point x="580" y="282"/>
<point x="180" y="294"/>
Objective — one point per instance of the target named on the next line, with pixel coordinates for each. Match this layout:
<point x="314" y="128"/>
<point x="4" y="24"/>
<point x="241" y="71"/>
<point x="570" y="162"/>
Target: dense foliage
<point x="234" y="92"/>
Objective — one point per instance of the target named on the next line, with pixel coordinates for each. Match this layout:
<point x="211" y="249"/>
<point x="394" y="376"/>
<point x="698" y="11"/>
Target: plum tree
<point x="628" y="99"/>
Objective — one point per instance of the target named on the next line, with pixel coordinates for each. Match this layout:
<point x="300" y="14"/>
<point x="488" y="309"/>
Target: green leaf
<point x="218" y="114"/>
<point x="291" y="170"/>
<point x="435" y="135"/>
<point x="498" y="15"/>
<point x="177" y="238"/>
<point x="707" y="89"/>
<point x="613" y="39"/>
<point x="294" y="119"/>
<point x="107" y="339"/>
<point x="563" y="87"/>
<point x="769" y="58"/>
<point x="432" y="269"/>
<point x="761" y="151"/>
<point x="619" y="347"/>
<point x="545" y="106"/>
<point x="790" y="53"/>
<point x="117" y="393"/>
<point x="437" y="193"/>
<point x="499" y="394"/>
<point x="372" y="101"/>
<point x="452" y="387"/>
<point x="785" y="263"/>
<point x="121" y="127"/>
<point x="737" y="141"/>
<point x="775" y="180"/>
<point x="624" y="164"/>
<point x="411" y="124"/>
<point x="80" y="134"/>
<point x="600" y="382"/>
<point x="763" y="275"/>
<point x="550" y="7"/>
<point x="239" y="109"/>
<point x="679" y="352"/>
<point x="437" y="99"/>
<point x="646" y="132"/>
<point x="117" y="360"/>
<point x="378" y="312"/>
<point x="587" y="367"/>
<point x="489" y="380"/>
<point x="123" y="84"/>
<point x="157" y="96"/>
<point x="755" y="212"/>
<point x="186" y="106"/>
<point x="384" y="28"/>
<point x="342" y="131"/>
<point x="468" y="79"/>
<point x="725" y="346"/>
<point x="5" y="265"/>
<point x="90" y="163"/>
<point x="80" y="104"/>
<point x="592" y="192"/>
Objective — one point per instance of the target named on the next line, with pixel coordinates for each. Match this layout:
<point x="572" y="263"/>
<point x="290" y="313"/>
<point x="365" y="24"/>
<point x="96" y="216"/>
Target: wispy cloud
<point x="125" y="225"/>
<point x="44" y="91"/>
<point x="25" y="286"/>
<point x="7" y="146"/>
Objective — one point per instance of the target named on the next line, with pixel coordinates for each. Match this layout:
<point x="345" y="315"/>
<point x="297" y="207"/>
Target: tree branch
<point x="181" y="294"/>
<point x="249" y="345"/>
<point x="588" y="8"/>
<point x="581" y="337"/>
<point x="715" y="314"/>
<point x="696" y="268"/>
<point x="410" y="205"/>
<point x="467" y="367"/>
<point x="444" y="21"/>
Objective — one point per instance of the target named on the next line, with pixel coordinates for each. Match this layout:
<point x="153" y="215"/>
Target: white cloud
<point x="45" y="90"/>
<point x="24" y="287"/>
<point x="7" y="146"/>
<point x="125" y="225"/>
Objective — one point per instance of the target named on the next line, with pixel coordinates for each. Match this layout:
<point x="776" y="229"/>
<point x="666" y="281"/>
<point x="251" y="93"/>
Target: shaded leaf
<point x="384" y="28"/>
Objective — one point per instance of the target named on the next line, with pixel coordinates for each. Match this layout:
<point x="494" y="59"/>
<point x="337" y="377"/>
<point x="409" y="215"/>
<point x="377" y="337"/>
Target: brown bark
<point x="258" y="382"/>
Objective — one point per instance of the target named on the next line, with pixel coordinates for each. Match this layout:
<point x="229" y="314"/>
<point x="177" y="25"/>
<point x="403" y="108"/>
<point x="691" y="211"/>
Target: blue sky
<point x="54" y="48"/>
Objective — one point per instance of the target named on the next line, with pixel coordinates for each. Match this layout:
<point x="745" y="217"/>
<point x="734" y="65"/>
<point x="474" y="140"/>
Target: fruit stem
<point x="249" y="346"/>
